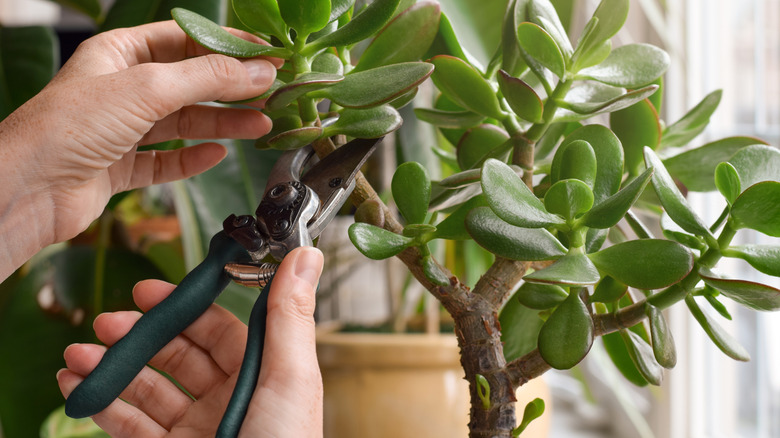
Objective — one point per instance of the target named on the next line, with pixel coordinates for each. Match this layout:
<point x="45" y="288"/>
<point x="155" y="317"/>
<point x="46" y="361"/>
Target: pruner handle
<point x="156" y="328"/>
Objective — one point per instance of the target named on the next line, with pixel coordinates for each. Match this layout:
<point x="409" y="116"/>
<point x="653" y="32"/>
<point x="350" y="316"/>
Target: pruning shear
<point x="302" y="196"/>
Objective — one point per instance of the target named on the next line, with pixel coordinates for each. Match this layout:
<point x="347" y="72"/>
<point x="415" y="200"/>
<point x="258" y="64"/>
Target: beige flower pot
<point x="402" y="385"/>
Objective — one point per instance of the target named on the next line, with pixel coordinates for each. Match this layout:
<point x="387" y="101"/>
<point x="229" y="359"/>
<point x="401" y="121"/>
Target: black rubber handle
<point x="250" y="369"/>
<point x="125" y="359"/>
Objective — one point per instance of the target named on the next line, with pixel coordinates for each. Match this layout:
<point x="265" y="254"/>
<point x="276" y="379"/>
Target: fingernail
<point x="308" y="265"/>
<point x="261" y="72"/>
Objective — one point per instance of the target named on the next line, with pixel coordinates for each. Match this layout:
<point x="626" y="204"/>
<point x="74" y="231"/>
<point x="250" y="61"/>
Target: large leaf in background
<point x="645" y="263"/>
<point x="630" y="66"/>
<point x="33" y="339"/>
<point x="636" y="126"/>
<point x="755" y="164"/>
<point x="512" y="60"/>
<point x="692" y="123"/>
<point x="477" y="142"/>
<point x="758" y="208"/>
<point x="28" y="60"/>
<point x="519" y="329"/>
<point x="477" y="25"/>
<point x="465" y="86"/>
<point x="696" y="168"/>
<point x="406" y="38"/>
<point x="127" y="13"/>
<point x="611" y="15"/>
<point x="360" y="27"/>
<point x="567" y="335"/>
<point x="90" y="7"/>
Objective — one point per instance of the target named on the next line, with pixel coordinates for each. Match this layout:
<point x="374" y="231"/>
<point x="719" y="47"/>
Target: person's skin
<point x="65" y="152"/>
<point x="205" y="359"/>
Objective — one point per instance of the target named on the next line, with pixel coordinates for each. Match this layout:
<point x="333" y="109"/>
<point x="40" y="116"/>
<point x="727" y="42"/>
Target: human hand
<point x="205" y="360"/>
<point x="65" y="152"/>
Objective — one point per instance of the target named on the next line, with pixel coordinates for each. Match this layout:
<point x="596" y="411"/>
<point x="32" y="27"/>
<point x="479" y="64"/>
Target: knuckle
<point x="222" y="68"/>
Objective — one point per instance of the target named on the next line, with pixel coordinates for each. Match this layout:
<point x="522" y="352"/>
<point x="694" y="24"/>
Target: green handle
<point x="156" y="328"/>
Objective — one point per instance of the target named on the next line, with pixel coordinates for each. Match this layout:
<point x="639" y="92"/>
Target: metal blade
<point x="333" y="179"/>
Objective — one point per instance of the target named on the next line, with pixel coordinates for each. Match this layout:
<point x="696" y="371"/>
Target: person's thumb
<point x="167" y="87"/>
<point x="290" y="352"/>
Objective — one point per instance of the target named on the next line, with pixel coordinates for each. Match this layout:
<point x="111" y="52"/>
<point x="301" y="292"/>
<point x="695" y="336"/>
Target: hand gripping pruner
<point x="296" y="207"/>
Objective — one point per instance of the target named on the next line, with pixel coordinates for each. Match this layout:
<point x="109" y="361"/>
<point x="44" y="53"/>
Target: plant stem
<point x="105" y="224"/>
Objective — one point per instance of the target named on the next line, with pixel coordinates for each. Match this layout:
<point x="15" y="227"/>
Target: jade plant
<point x="556" y="163"/>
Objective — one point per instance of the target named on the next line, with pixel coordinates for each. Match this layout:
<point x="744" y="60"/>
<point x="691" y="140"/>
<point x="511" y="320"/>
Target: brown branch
<point x="500" y="280"/>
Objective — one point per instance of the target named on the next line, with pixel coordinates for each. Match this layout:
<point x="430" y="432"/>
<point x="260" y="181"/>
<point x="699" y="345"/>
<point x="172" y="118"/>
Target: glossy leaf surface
<point x="377" y="86"/>
<point x="719" y="336"/>
<point x="645" y="263"/>
<point x="305" y="16"/>
<point x="411" y="188"/>
<point x="692" y="123"/>
<point x="521" y="97"/>
<point x="214" y="37"/>
<point x="568" y="198"/>
<point x="618" y="353"/>
<point x="511" y="199"/>
<point x="303" y="84"/>
<point x="630" y="66"/>
<point x="449" y="119"/>
<point x="750" y="294"/>
<point x="573" y="269"/>
<point x="538" y="44"/>
<point x="465" y="86"/>
<point x="765" y="258"/>
<point x="636" y="126"/>
<point x="366" y="123"/>
<point x="566" y="337"/>
<point x="674" y="202"/>
<point x="592" y="98"/>
<point x="544" y="13"/>
<point x="664" y="349"/>
<point x="611" y="15"/>
<point x="608" y="213"/>
<point x="296" y="138"/>
<point x="533" y="410"/>
<point x="477" y="142"/>
<point x="519" y="329"/>
<point x="454" y="226"/>
<point x="406" y="38"/>
<point x="540" y="296"/>
<point x="377" y="243"/>
<point x="727" y="181"/>
<point x="609" y="159"/>
<point x="360" y="27"/>
<point x="261" y="15"/>
<point x="575" y="160"/>
<point x="608" y="290"/>
<point x="509" y="241"/>
<point x="641" y="354"/>
<point x="758" y="208"/>
<point x="695" y="168"/>
<point x="755" y="164"/>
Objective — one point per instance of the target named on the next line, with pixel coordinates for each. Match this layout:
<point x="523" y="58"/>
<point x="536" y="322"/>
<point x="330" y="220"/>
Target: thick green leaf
<point x="454" y="226"/>
<point x="692" y="123"/>
<point x="477" y="142"/>
<point x="214" y="37"/>
<point x="765" y="258"/>
<point x="521" y="97"/>
<point x="465" y="86"/>
<point x="636" y="126"/>
<point x="433" y="272"/>
<point x="411" y="188"/>
<point x="695" y="168"/>
<point x="756" y="296"/>
<point x="755" y="164"/>
<point x="609" y="159"/>
<point x="663" y="342"/>
<point x="296" y="138"/>
<point x="509" y="241"/>
<point x="478" y="25"/>
<point x="449" y="119"/>
<point x="305" y="16"/>
<point x="377" y="86"/>
<point x="719" y="336"/>
<point x="339" y="8"/>
<point x="28" y="61"/>
<point x="538" y="44"/>
<point x="519" y="329"/>
<point x="128" y="13"/>
<point x="262" y="16"/>
<point x="575" y="160"/>
<point x="641" y="354"/>
<point x="327" y="62"/>
<point x="540" y="296"/>
<point x="462" y="179"/>
<point x="573" y="269"/>
<point x="610" y="15"/>
<point x="568" y="198"/>
<point x="544" y="13"/>
<point x="618" y="352"/>
<point x="566" y="337"/>
<point x="446" y="42"/>
<point x="630" y="66"/>
<point x="645" y="263"/>
<point x="608" y="290"/>
<point x="511" y="199"/>
<point x="362" y="26"/>
<point x="608" y="213"/>
<point x="533" y="410"/>
<point x="673" y="201"/>
<point x="512" y="60"/>
<point x="366" y="123"/>
<point x="90" y="7"/>
<point x="406" y="38"/>
<point x="727" y="181"/>
<point x="592" y="98"/>
<point x="303" y="84"/>
<point x="672" y="231"/>
<point x="758" y="208"/>
<point x="377" y="243"/>
<point x="596" y="56"/>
